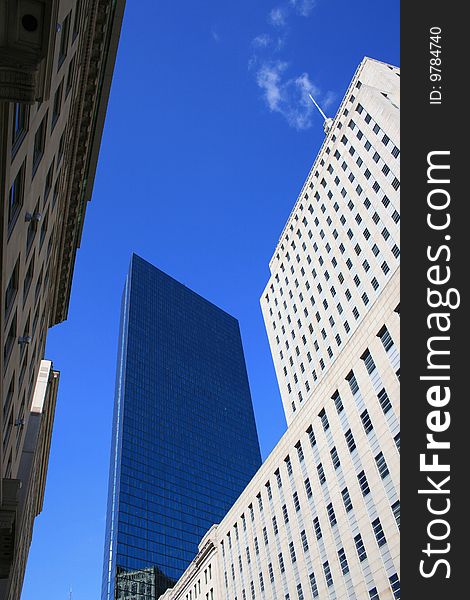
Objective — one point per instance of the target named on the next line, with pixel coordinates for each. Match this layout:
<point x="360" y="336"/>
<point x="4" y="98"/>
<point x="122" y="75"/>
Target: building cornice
<point x="96" y="58"/>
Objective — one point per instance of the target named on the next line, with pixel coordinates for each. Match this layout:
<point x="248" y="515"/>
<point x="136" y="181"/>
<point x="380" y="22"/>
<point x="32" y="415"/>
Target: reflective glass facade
<point x="184" y="436"/>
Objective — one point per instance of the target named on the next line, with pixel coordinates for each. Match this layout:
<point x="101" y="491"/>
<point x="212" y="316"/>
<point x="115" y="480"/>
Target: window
<point x="338" y="403"/>
<point x="303" y="537"/>
<point x="70" y="75"/>
<point x="328" y="577"/>
<point x="324" y="420"/>
<point x="57" y="104"/>
<point x="20" y="125"/>
<point x="361" y="551"/>
<point x="335" y="458"/>
<point x="343" y="561"/>
<point x="295" y="497"/>
<point x="265" y="536"/>
<point x="384" y="401"/>
<point x="275" y="527"/>
<point x="64" y="40"/>
<point x="28" y="278"/>
<point x="285" y="514"/>
<point x="373" y="594"/>
<point x="363" y="484"/>
<point x="300" y="451"/>
<point x="260" y="502"/>
<point x="256" y="545"/>
<point x="317" y="528"/>
<point x="397" y="441"/>
<point x="15" y="197"/>
<point x="39" y="143"/>
<point x="321" y="474"/>
<point x="308" y="488"/>
<point x="313" y="585"/>
<point x="9" y="342"/>
<point x="352" y="382"/>
<point x="76" y="20"/>
<point x="396" y="512"/>
<point x="366" y="422"/>
<point x="385" y="338"/>
<point x="278" y="478"/>
<point x="331" y="514"/>
<point x="368" y="361"/>
<point x="300" y="593"/>
<point x="395" y="585"/>
<point x="281" y="562"/>
<point x="311" y="436"/>
<point x="382" y="465"/>
<point x="292" y="552"/>
<point x="44" y="226"/>
<point x="379" y="532"/>
<point x="271" y="572"/>
<point x="12" y="288"/>
<point x="288" y="465"/>
<point x="350" y="440"/>
<point x="346" y="499"/>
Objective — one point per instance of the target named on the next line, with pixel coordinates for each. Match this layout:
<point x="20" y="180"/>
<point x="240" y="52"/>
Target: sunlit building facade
<point x="321" y="517"/>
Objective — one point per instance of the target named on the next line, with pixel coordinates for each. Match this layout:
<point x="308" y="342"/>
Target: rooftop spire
<point x="327" y="122"/>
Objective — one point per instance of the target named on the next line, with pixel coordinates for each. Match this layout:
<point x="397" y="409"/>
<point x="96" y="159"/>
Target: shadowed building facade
<point x="184" y="437"/>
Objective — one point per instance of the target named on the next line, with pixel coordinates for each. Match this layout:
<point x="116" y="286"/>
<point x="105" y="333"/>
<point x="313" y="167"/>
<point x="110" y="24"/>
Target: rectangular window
<point x="366" y="422"/>
<point x="396" y="512"/>
<point x="285" y="514"/>
<point x="324" y="420"/>
<point x="316" y="526"/>
<point x="335" y="458"/>
<point x="328" y="576"/>
<point x="275" y="528"/>
<point x="395" y="585"/>
<point x="368" y="361"/>
<point x="363" y="484"/>
<point x="57" y="104"/>
<point x="292" y="552"/>
<point x="15" y="197"/>
<point x="313" y="585"/>
<point x="373" y="594"/>
<point x="70" y="75"/>
<point x="308" y="488"/>
<point x="385" y="338"/>
<point x="20" y="125"/>
<point x="331" y="514"/>
<point x="382" y="465"/>
<point x="303" y="536"/>
<point x="350" y="440"/>
<point x="379" y="532"/>
<point x="384" y="401"/>
<point x="321" y="474"/>
<point x="64" y="40"/>
<point x="343" y="561"/>
<point x="346" y="499"/>
<point x="39" y="143"/>
<point x="295" y="497"/>
<point x="12" y="289"/>
<point x="28" y="278"/>
<point x="361" y="551"/>
<point x="10" y="341"/>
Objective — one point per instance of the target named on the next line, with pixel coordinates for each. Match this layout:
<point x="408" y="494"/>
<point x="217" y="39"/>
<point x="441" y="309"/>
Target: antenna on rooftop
<point x="327" y="122"/>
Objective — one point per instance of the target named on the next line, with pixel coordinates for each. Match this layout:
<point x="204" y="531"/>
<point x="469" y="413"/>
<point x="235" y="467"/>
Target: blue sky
<point x="208" y="139"/>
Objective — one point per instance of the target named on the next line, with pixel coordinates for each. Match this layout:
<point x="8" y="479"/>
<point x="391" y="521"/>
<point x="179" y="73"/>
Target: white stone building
<point x="321" y="517"/>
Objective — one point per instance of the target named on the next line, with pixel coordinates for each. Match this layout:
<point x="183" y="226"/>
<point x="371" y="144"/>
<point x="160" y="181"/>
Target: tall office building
<point x="321" y="517"/>
<point x="56" y="64"/>
<point x="184" y="437"/>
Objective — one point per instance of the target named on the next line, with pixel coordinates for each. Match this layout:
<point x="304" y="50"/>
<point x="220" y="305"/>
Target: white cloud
<point x="289" y="96"/>
<point x="261" y="41"/>
<point x="277" y="16"/>
<point x="303" y="7"/>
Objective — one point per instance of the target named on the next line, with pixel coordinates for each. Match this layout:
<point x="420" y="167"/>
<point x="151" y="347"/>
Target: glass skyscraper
<point x="184" y="437"/>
